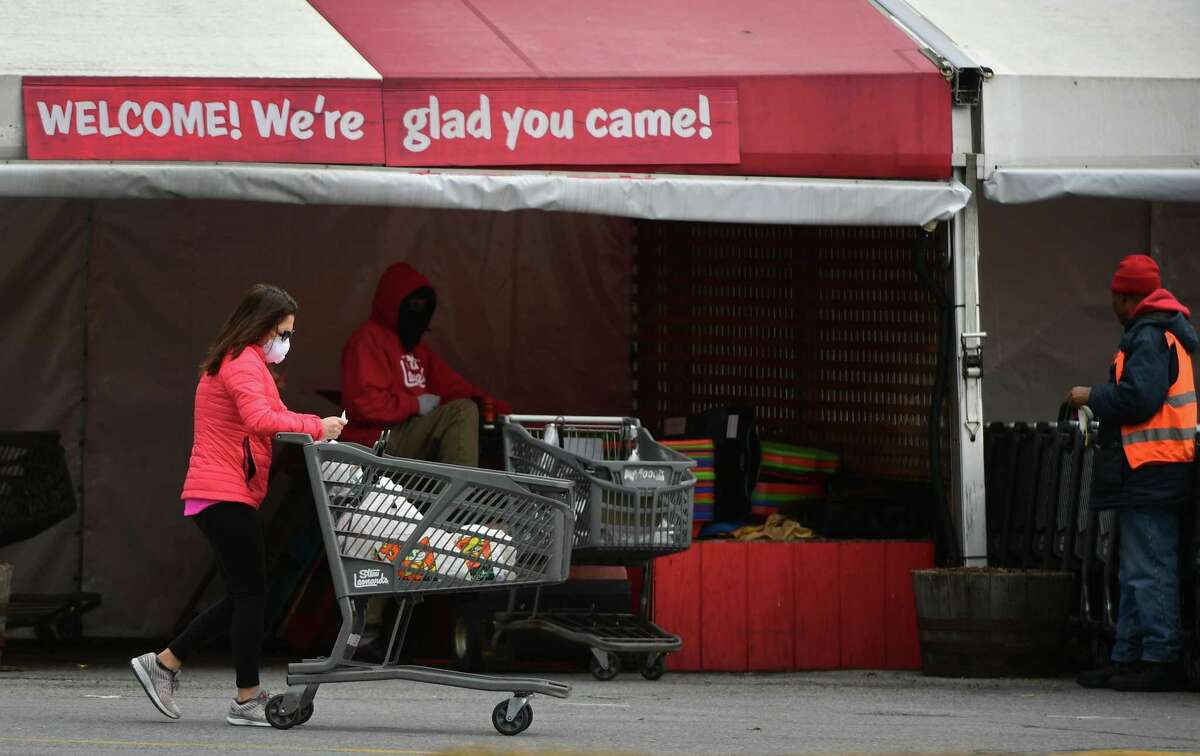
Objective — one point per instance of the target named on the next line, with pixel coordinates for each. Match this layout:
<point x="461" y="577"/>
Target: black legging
<point x="236" y="536"/>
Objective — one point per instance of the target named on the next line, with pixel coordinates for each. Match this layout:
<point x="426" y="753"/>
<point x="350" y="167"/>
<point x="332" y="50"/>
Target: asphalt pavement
<point x="81" y="707"/>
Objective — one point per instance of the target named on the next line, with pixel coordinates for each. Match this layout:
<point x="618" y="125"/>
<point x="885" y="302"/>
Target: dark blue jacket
<point x="1151" y="367"/>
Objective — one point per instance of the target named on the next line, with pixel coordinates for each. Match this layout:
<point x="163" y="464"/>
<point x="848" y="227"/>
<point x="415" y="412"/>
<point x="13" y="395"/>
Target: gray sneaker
<point x="253" y="713"/>
<point x="160" y="683"/>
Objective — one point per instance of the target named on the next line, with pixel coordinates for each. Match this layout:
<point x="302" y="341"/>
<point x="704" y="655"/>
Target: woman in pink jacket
<point x="238" y="411"/>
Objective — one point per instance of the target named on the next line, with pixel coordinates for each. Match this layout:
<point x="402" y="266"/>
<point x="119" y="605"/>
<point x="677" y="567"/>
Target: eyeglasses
<point x="285" y="335"/>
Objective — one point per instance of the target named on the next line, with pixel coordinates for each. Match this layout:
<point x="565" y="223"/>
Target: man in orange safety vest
<point x="1144" y="467"/>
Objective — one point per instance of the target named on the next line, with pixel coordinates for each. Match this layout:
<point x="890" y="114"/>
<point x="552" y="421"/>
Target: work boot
<point x="1102" y="677"/>
<point x="1151" y="677"/>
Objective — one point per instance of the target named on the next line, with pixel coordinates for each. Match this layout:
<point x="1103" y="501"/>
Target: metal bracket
<point x="515" y="704"/>
<point x="601" y="657"/>
<point x="972" y="354"/>
<point x="966" y="76"/>
<point x="966" y="84"/>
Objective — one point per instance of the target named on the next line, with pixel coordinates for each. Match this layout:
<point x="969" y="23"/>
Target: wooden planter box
<point x="993" y="623"/>
<point x="783" y="607"/>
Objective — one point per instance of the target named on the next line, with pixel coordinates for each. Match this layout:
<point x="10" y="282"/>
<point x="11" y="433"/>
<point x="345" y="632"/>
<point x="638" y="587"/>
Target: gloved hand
<point x="428" y="403"/>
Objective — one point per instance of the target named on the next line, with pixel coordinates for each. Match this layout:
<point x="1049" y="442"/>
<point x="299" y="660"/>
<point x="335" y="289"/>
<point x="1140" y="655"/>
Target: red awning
<point x="823" y="88"/>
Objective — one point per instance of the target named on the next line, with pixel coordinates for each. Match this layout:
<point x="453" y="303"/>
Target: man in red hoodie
<point x="1143" y="469"/>
<point x="391" y="380"/>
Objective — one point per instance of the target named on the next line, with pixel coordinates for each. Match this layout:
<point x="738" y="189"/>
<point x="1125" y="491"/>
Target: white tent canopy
<point x="1093" y="98"/>
<point x="651" y="196"/>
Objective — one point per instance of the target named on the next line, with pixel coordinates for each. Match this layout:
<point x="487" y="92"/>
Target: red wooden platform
<point x="781" y="607"/>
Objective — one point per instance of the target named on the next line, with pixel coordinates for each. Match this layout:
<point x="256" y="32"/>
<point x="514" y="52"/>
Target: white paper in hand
<point x="344" y="420"/>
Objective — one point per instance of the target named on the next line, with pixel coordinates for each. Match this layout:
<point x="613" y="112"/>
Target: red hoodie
<point x="1161" y="300"/>
<point x="380" y="379"/>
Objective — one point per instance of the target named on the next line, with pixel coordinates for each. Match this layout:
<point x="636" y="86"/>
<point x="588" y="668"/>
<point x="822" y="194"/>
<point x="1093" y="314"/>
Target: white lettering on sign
<point x="453" y="124"/>
<point x="196" y="118"/>
<point x="425" y="125"/>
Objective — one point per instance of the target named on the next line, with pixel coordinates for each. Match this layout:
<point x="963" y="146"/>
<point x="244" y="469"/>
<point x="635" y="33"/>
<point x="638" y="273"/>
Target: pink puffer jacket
<point x="238" y="412"/>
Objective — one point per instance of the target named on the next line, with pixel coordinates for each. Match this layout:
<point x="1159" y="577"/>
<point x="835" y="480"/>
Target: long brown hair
<point x="259" y="312"/>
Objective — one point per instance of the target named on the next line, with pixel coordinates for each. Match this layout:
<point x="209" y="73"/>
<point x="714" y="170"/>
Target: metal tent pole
<point x="969" y="490"/>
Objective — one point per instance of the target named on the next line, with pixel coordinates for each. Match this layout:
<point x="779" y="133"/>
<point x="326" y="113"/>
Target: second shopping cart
<point x="632" y="499"/>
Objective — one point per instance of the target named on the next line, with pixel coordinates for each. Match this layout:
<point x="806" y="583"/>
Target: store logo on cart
<point x="640" y="476"/>
<point x="371" y="577"/>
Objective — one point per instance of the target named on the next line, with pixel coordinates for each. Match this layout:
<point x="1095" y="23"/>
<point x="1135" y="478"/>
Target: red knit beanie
<point x="1137" y="274"/>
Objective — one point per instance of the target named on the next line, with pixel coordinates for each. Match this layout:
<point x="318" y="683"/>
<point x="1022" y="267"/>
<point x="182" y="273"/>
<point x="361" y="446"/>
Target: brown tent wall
<point x="533" y="306"/>
<point x="43" y="247"/>
<point x="1045" y="271"/>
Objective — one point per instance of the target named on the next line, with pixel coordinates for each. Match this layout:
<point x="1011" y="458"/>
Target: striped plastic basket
<point x="702" y="452"/>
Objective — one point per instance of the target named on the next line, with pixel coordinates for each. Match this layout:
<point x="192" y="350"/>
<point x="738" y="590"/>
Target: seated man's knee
<point x="465" y="409"/>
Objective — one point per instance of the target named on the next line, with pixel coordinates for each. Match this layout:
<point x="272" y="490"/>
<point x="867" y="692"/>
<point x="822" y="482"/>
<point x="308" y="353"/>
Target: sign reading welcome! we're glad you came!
<point x="360" y="123"/>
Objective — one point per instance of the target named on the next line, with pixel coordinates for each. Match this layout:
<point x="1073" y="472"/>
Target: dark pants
<point x="236" y="537"/>
<point x="1148" y="619"/>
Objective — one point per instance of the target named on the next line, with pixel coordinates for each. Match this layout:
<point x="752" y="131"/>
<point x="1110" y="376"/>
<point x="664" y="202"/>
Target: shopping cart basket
<point x="632" y="499"/>
<point x="36" y="493"/>
<point x="403" y="528"/>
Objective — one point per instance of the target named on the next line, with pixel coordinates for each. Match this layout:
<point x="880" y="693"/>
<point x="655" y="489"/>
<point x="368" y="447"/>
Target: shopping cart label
<point x="371" y="577"/>
<point x="645" y="477"/>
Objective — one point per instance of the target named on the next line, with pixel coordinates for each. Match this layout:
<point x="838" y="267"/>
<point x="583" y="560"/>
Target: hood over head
<point x="1163" y="310"/>
<point x="395" y="285"/>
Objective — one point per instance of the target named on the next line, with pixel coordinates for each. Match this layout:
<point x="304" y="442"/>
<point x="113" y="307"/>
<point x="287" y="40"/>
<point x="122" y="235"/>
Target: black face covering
<point x="416" y="312"/>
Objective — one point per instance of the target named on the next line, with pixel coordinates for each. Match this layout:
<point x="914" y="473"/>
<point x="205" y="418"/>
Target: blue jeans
<point x="1148" y="619"/>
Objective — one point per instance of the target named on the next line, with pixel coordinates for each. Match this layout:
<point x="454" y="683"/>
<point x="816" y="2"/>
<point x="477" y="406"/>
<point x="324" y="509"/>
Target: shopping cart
<point x="36" y="493"/>
<point x="632" y="500"/>
<point x="402" y="528"/>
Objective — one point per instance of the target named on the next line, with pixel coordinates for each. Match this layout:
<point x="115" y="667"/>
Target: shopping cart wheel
<point x="654" y="666"/>
<point x="305" y="714"/>
<point x="605" y="673"/>
<point x="281" y="721"/>
<point x="468" y="638"/>
<point x="521" y="723"/>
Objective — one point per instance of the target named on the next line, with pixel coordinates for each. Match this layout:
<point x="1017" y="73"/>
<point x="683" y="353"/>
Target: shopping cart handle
<point x="294" y="438"/>
<point x="568" y="419"/>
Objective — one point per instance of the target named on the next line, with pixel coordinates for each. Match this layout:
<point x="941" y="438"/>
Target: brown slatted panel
<point x="826" y="331"/>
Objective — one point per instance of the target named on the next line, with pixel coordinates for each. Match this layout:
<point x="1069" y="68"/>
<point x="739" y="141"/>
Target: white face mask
<point x="276" y="349"/>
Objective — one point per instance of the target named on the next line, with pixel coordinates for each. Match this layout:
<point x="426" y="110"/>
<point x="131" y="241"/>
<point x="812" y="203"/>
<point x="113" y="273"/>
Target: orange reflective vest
<point x="1169" y="436"/>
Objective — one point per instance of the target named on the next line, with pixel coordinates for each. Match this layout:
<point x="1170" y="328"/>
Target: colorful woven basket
<point x="796" y="463"/>
<point x="701" y="450"/>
